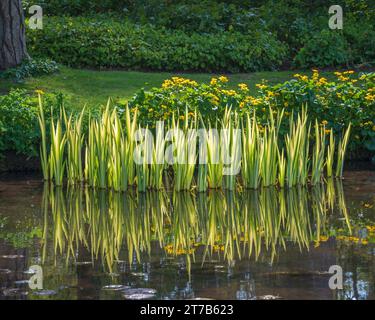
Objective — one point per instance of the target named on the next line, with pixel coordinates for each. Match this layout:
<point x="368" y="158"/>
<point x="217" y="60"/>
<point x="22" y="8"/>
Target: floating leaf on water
<point x="45" y="292"/>
<point x="269" y="297"/>
<point x="139" y="293"/>
<point x="14" y="292"/>
<point x="115" y="287"/>
<point x="139" y="296"/>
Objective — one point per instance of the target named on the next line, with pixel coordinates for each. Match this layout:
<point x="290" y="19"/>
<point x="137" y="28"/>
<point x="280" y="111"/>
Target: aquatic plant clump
<point x="187" y="153"/>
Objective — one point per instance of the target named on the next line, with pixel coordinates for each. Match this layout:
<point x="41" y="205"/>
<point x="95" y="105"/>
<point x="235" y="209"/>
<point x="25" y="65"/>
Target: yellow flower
<point x="229" y="92"/>
<point x="261" y="86"/>
<point x="324" y="122"/>
<point x="370" y="97"/>
<point x="322" y="81"/>
<point x="223" y="79"/>
<point x="182" y="117"/>
<point x="243" y="87"/>
<point x="213" y="82"/>
<point x="39" y="91"/>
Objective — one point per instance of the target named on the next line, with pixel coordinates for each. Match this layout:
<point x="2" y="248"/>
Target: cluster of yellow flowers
<point x="230" y="93"/>
<point x="319" y="81"/>
<point x="301" y="77"/>
<point x="214" y="81"/>
<point x="178" y="82"/>
<point x="243" y="87"/>
<point x="343" y="76"/>
<point x="250" y="100"/>
<point x="261" y="86"/>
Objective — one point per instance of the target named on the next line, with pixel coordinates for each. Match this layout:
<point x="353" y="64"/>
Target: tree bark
<point x="12" y="34"/>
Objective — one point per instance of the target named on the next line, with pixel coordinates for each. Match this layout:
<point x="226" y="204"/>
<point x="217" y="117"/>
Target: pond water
<point x="266" y="244"/>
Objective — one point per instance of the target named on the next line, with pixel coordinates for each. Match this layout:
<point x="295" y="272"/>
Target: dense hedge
<point x="301" y="25"/>
<point x="111" y="43"/>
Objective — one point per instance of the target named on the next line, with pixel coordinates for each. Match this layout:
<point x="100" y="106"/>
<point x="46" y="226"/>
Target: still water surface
<point x="266" y="244"/>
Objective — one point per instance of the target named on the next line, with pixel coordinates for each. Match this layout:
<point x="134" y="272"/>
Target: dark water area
<point x="265" y="244"/>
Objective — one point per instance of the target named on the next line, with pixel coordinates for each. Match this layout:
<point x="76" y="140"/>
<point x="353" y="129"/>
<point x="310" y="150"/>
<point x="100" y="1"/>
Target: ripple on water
<point x="13" y="256"/>
<point x="5" y="271"/>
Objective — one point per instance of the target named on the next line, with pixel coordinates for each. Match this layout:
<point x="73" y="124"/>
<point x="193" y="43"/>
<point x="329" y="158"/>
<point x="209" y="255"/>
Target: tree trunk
<point x="12" y="34"/>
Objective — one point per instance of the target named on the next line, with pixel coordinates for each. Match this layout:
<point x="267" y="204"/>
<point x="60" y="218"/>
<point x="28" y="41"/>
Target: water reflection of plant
<point x="231" y="225"/>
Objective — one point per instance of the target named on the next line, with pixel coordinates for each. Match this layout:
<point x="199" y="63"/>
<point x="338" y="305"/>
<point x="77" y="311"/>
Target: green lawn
<point x="94" y="87"/>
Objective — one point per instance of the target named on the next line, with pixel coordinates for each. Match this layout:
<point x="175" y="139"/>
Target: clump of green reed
<point x="157" y="166"/>
<point x="130" y="129"/>
<point x="115" y="139"/>
<point x="330" y="154"/>
<point x="118" y="162"/>
<point x="297" y="151"/>
<point x="75" y="138"/>
<point x="57" y="161"/>
<point x="214" y="159"/>
<point x="317" y="163"/>
<point x="341" y="150"/>
<point x="231" y="152"/>
<point x="184" y="140"/>
<point x="270" y="150"/>
<point x="44" y="159"/>
<point x="144" y="154"/>
<point x="251" y="153"/>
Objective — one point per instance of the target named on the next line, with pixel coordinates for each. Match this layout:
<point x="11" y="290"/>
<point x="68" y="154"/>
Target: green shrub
<point x="110" y="43"/>
<point x="328" y="48"/>
<point x="31" y="68"/>
<point x="19" y="130"/>
<point x="350" y="99"/>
